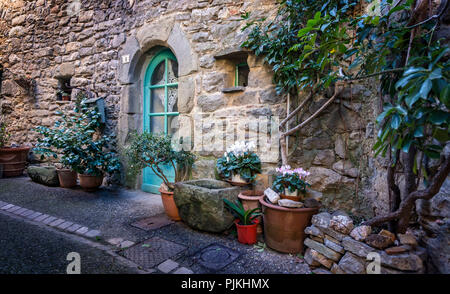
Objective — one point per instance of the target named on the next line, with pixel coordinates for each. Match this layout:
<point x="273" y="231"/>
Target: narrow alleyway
<point x="107" y="216"/>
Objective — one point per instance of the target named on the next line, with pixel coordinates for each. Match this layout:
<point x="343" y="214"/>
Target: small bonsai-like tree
<point x="154" y="150"/>
<point x="77" y="139"/>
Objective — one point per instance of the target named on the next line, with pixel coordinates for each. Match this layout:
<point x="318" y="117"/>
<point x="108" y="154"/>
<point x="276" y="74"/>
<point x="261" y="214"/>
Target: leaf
<point x="418" y="132"/>
<point x="425" y="89"/>
<point x="411" y="99"/>
<point x="438" y="117"/>
<point x="445" y="96"/>
<point x="435" y="74"/>
<point x="395" y="121"/>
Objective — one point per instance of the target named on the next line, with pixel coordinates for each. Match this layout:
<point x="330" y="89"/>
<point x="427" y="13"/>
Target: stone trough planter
<point x="200" y="204"/>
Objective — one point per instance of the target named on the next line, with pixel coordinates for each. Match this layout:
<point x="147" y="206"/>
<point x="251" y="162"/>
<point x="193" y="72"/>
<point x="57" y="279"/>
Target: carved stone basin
<point x="200" y="204"/>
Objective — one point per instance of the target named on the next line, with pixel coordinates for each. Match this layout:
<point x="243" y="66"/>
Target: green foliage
<point x="76" y="136"/>
<point x="4" y="135"/>
<point x="155" y="150"/>
<point x="310" y="45"/>
<point x="290" y="181"/>
<point x="304" y="42"/>
<point x="245" y="217"/>
<point x="247" y="165"/>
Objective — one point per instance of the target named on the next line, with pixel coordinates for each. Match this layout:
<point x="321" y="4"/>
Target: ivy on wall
<point x="315" y="45"/>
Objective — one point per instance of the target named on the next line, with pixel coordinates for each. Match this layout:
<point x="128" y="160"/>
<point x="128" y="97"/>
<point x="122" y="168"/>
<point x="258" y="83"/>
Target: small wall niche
<point x="64" y="90"/>
<point x="235" y="61"/>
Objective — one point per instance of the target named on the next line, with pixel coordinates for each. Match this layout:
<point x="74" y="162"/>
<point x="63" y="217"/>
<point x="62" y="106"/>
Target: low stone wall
<point x="335" y="245"/>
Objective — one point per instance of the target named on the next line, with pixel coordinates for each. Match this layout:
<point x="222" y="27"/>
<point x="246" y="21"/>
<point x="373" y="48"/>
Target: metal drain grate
<point x="216" y="256"/>
<point x="152" y="252"/>
<point x="152" y="223"/>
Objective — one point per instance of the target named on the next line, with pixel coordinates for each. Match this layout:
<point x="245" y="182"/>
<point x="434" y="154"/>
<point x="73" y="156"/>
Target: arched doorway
<point x="160" y="108"/>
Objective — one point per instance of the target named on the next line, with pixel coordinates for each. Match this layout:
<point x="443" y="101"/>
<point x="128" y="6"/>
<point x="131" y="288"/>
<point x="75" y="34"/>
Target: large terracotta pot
<point x="284" y="227"/>
<point x="250" y="200"/>
<point x="90" y="183"/>
<point x="67" y="178"/>
<point x="14" y="160"/>
<point x="169" y="205"/>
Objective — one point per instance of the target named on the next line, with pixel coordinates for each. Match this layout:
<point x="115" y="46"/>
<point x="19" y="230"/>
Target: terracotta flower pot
<point x="250" y="200"/>
<point x="284" y="227"/>
<point x="66" y="98"/>
<point x="67" y="178"/>
<point x="90" y="183"/>
<point x="14" y="160"/>
<point x="169" y="205"/>
<point x="247" y="234"/>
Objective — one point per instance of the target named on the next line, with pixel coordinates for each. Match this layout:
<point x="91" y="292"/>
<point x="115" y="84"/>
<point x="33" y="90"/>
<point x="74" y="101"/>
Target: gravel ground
<point x="29" y="249"/>
<point x="112" y="212"/>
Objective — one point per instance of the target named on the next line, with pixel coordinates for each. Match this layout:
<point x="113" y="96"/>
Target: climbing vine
<point x="315" y="46"/>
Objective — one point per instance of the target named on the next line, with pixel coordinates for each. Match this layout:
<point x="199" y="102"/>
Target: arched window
<point x="161" y="94"/>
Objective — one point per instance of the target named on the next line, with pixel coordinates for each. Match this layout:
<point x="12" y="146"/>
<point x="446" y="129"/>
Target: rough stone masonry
<point x="106" y="46"/>
<point x="45" y="42"/>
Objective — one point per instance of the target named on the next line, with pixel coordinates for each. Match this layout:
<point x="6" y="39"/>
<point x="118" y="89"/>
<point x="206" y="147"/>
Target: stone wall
<point x="336" y="246"/>
<point x="42" y="41"/>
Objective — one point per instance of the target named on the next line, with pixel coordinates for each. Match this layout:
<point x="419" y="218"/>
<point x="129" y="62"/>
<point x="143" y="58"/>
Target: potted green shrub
<point x="12" y="158"/>
<point x="290" y="183"/>
<point x="84" y="150"/>
<point x="155" y="150"/>
<point x="246" y="221"/>
<point x="239" y="165"/>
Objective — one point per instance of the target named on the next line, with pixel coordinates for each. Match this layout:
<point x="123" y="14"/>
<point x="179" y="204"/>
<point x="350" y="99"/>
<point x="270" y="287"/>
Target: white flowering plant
<point x="240" y="159"/>
<point x="290" y="179"/>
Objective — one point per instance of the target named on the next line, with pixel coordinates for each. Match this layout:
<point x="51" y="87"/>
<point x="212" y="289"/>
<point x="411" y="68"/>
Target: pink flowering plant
<point x="291" y="179"/>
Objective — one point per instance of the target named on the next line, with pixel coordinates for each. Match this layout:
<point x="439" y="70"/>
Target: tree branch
<point x="323" y="107"/>
<point x="408" y="203"/>
<point x="294" y="112"/>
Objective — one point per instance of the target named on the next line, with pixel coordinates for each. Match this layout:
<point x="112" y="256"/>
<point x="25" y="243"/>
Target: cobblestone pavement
<point x="105" y="217"/>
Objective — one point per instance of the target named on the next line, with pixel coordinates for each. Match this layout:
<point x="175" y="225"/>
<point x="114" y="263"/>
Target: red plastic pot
<point x="247" y="234"/>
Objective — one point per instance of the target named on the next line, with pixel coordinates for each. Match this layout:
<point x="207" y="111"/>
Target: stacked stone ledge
<point x="334" y="245"/>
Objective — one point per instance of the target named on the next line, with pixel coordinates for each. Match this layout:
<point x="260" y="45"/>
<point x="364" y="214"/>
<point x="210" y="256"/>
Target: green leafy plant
<point x="76" y="138"/>
<point x="313" y="46"/>
<point x="154" y="150"/>
<point x="239" y="159"/>
<point x="245" y="217"/>
<point x="290" y="179"/>
<point x="4" y="135"/>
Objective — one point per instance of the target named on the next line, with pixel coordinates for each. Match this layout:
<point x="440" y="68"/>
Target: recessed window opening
<point x="64" y="89"/>
<point x="241" y="74"/>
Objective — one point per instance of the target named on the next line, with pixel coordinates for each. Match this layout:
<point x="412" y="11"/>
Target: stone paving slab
<point x="73" y="228"/>
<point x="56" y="222"/>
<point x="183" y="271"/>
<point x="65" y="225"/>
<point x="49" y="220"/>
<point x="42" y="218"/>
<point x="7" y="207"/>
<point x="34" y="215"/>
<point x="168" y="266"/>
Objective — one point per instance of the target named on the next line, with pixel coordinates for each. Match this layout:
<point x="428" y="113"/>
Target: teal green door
<point x="160" y="108"/>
